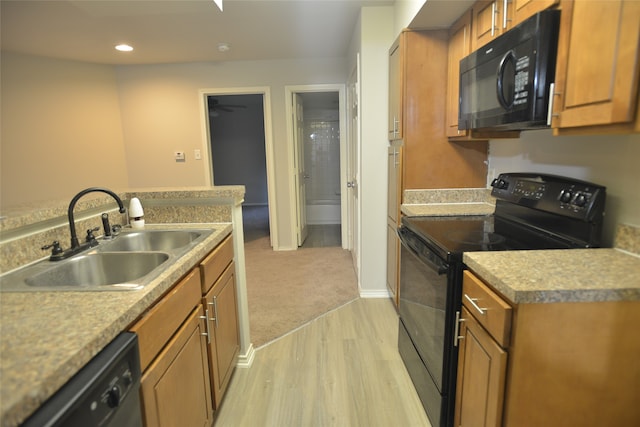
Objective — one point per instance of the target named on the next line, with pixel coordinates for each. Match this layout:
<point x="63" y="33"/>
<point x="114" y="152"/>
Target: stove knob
<point x="581" y="200"/>
<point x="566" y="196"/>
<point x="502" y="184"/>
<point x="494" y="183"/>
<point x="113" y="396"/>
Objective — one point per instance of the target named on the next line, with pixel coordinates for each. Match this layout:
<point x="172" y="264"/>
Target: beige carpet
<point x="287" y="289"/>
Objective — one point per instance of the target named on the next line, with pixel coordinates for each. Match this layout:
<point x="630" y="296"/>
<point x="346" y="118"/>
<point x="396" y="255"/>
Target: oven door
<point x="425" y="306"/>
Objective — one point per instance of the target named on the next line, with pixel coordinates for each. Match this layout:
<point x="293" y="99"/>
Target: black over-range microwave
<point x="508" y="83"/>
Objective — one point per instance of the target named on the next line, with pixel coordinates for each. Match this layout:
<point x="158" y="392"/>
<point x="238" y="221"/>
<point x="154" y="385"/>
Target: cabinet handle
<point x="456" y="332"/>
<point x="504" y="13"/>
<point x="206" y="325"/>
<point x="494" y="10"/>
<point x="214" y="304"/>
<point x="472" y="301"/>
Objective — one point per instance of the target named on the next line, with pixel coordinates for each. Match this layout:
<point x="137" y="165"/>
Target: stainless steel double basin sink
<point x="129" y="261"/>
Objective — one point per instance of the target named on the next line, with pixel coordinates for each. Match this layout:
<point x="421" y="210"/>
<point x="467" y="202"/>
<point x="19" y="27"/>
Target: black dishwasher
<point x="105" y="392"/>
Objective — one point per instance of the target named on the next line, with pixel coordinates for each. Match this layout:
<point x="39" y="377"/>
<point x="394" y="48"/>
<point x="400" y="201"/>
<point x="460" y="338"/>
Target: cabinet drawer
<point x="489" y="309"/>
<point x="214" y="264"/>
<point x="159" y="324"/>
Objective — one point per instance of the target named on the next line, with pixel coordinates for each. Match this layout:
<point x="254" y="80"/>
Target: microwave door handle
<point x="552" y="87"/>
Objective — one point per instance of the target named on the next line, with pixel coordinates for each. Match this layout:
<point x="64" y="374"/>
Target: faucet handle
<point x="57" y="250"/>
<point x="90" y="237"/>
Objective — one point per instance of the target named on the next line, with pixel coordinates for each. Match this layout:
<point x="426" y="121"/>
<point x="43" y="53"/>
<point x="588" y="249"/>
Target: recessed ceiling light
<point x="124" y="48"/>
<point x="224" y="47"/>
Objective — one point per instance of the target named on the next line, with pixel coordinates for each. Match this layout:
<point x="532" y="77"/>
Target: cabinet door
<point x="490" y="19"/>
<point x="523" y="9"/>
<point x="482" y="366"/>
<point x="395" y="90"/>
<point x="459" y="47"/>
<point x="393" y="248"/>
<point x="394" y="191"/>
<point x="225" y="341"/>
<point x="598" y="63"/>
<point x="175" y="390"/>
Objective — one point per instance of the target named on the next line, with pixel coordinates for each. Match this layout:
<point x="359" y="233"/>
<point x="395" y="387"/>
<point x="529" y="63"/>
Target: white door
<point x="352" y="167"/>
<point x="300" y="175"/>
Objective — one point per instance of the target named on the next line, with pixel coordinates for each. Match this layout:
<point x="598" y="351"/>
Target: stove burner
<point x="481" y="238"/>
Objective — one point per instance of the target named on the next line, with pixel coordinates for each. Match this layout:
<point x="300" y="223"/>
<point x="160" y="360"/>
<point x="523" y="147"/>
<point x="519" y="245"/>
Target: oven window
<point x="423" y="301"/>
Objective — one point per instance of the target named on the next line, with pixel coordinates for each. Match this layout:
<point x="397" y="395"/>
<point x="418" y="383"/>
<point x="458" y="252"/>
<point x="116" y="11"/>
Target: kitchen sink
<point x="152" y="240"/>
<point x="100" y="269"/>
<point x="129" y="261"/>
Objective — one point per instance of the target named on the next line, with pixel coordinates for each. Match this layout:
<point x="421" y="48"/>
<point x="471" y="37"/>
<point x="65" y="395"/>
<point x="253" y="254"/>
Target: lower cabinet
<point x="482" y="365"/>
<point x="189" y="344"/>
<point x="175" y="389"/>
<point x="224" y="344"/>
<point x="217" y="271"/>
<point x="546" y="364"/>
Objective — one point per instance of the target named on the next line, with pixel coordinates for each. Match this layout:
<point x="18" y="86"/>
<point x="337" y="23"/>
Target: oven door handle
<point x="439" y="268"/>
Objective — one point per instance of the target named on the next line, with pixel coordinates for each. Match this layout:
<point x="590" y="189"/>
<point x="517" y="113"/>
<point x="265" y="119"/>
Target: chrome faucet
<point x="75" y="244"/>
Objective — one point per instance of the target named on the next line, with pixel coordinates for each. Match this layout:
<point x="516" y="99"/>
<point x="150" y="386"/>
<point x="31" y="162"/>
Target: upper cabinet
<point x="522" y="9"/>
<point x="395" y="91"/>
<point x="493" y="18"/>
<point x="596" y="87"/>
<point x="459" y="47"/>
<point x="490" y="19"/>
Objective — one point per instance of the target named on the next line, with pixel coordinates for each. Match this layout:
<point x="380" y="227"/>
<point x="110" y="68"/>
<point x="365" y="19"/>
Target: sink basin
<point x="130" y="261"/>
<point x="152" y="240"/>
<point x="100" y="269"/>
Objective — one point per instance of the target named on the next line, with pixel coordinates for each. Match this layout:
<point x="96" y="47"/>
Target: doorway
<point x="317" y="139"/>
<point x="239" y="150"/>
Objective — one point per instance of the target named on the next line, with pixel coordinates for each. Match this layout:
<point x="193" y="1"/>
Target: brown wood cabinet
<point x="597" y="72"/>
<point x="490" y="19"/>
<point x="219" y="299"/>
<point x="429" y="160"/>
<point x="395" y="91"/>
<point x="394" y="191"/>
<point x="175" y="389"/>
<point x="567" y="363"/>
<point x="523" y="9"/>
<point x="173" y="357"/>
<point x="189" y="344"/>
<point x="482" y="366"/>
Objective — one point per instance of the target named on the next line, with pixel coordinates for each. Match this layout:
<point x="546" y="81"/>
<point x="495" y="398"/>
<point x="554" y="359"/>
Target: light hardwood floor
<point x="342" y="369"/>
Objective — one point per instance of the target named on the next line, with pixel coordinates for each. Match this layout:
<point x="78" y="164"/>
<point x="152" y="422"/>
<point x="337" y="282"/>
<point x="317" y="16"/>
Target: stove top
<point x="533" y="211"/>
<point x="456" y="234"/>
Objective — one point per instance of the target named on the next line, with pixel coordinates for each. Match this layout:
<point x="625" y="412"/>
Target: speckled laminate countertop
<point x="448" y="209"/>
<point x="46" y="337"/>
<point x="570" y="275"/>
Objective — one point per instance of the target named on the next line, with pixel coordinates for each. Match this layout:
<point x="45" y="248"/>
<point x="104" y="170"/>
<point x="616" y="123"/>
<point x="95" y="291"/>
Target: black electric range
<point x="533" y="211"/>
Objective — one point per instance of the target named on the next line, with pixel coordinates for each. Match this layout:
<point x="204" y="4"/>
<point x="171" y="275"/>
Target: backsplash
<point x="24" y="230"/>
<point x="628" y="238"/>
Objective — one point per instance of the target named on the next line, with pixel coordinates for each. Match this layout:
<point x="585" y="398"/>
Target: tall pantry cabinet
<point x="421" y="156"/>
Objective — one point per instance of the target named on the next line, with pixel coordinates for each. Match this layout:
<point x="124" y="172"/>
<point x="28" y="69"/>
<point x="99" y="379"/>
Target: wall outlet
<point x="179" y="156"/>
<point x="197" y="155"/>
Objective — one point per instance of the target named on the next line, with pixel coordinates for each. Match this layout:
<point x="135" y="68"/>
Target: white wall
<point x="161" y="112"/>
<point x="61" y="129"/>
<point x="376" y="35"/>
<point x="404" y="12"/>
<point x="609" y="160"/>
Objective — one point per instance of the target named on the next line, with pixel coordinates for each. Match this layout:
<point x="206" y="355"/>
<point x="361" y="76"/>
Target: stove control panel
<point x="551" y="193"/>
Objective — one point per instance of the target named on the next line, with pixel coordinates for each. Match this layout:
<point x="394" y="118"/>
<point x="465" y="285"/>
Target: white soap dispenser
<point x="136" y="213"/>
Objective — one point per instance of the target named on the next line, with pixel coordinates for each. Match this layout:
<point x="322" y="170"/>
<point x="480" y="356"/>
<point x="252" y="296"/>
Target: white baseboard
<point x="375" y="294"/>
<point x="246" y="360"/>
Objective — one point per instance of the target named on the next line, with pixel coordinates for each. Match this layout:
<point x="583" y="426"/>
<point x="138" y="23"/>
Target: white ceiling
<point x="165" y="31"/>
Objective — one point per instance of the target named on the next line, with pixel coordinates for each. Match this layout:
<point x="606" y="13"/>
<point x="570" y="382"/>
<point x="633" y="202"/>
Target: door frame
<point x="265" y="91"/>
<point x="289" y="109"/>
